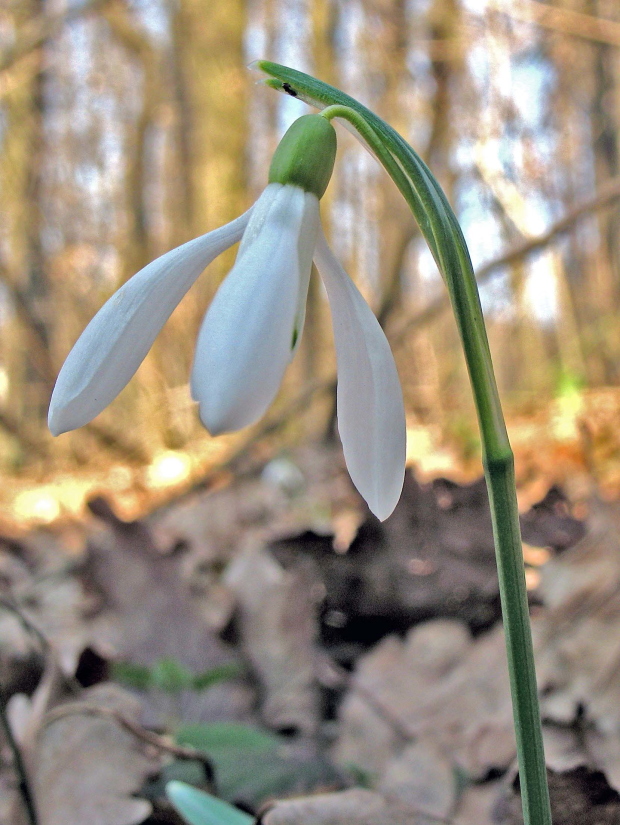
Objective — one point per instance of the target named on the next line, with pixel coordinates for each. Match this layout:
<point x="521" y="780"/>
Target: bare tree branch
<point x="23" y="783"/>
<point x="162" y="743"/>
<point x="37" y="345"/>
<point x="566" y="21"/>
<point x="130" y="450"/>
<point x="605" y="195"/>
<point x="28" y="441"/>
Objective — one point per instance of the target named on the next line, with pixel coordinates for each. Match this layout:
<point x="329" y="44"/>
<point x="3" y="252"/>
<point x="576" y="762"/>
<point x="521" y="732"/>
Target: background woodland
<point x="128" y="127"/>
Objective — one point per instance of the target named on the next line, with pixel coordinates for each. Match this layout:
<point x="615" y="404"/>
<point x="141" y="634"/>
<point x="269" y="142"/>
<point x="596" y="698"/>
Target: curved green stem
<point x="443" y="234"/>
<point x="384" y="156"/>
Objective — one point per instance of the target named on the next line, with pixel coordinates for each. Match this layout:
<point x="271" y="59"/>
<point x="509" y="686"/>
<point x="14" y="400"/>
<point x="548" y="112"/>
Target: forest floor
<point x="266" y="639"/>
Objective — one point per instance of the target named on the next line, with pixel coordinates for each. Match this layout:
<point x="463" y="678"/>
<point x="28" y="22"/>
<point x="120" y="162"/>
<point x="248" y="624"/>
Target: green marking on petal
<point x="295" y="337"/>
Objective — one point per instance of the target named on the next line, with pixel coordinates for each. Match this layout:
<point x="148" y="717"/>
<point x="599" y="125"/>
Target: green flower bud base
<point x="306" y="154"/>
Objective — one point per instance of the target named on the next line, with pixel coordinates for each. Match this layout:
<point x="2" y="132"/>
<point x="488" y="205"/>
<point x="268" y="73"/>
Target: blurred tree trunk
<point x="605" y="122"/>
<point x="573" y="68"/>
<point x="179" y="185"/>
<point x="383" y="53"/>
<point x="138" y="249"/>
<point x="30" y="372"/>
<point x="210" y="135"/>
<point x="209" y="41"/>
<point x="386" y="56"/>
<point x="440" y="374"/>
<point x="141" y="174"/>
<point x="324" y="18"/>
<point x="444" y="27"/>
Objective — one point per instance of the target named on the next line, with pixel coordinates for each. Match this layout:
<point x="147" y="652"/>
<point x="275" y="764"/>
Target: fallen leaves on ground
<point x="439" y="688"/>
<point x="278" y="630"/>
<point x="578" y="643"/>
<point x="147" y="614"/>
<point x="577" y="796"/>
<point x="355" y="807"/>
<point x="379" y="650"/>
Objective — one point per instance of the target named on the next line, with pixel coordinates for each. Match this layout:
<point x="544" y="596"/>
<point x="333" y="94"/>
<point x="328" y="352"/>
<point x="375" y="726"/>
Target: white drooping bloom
<point x="250" y="333"/>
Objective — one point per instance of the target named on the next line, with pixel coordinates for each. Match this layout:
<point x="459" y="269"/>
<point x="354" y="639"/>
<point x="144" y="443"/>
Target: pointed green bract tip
<point x="200" y="808"/>
<point x="305" y="156"/>
<point x="261" y="65"/>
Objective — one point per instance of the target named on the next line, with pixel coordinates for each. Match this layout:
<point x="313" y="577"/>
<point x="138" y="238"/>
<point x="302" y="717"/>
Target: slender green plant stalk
<point x="443" y="234"/>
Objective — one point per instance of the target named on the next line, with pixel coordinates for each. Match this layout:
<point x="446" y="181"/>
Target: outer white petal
<point x="306" y="243"/>
<point x="371" y="415"/>
<point x="116" y="341"/>
<point x="246" y="339"/>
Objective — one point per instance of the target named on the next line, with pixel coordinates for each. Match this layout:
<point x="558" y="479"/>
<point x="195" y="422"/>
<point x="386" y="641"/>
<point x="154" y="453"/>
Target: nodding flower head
<point x="254" y="323"/>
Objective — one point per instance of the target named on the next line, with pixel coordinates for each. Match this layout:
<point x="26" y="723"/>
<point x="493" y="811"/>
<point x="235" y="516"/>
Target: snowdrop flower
<point x="254" y="323"/>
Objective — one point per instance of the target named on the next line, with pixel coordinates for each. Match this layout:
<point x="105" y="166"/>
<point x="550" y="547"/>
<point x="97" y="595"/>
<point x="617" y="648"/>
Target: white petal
<point x="371" y="415"/>
<point x="116" y="341"/>
<point x="246" y="339"/>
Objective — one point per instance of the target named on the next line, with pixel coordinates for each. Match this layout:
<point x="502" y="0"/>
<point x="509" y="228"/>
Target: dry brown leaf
<point x="563" y="749"/>
<point x="278" y="627"/>
<point x="87" y="768"/>
<point x="149" y="614"/>
<point x="389" y="683"/>
<point x="476" y="804"/>
<point x="438" y="685"/>
<point x="356" y="807"/>
<point x="11" y="807"/>
<point x="422" y="779"/>
<point x="578" y="639"/>
<point x="604" y="753"/>
<point x="213" y="522"/>
<point x="55" y="604"/>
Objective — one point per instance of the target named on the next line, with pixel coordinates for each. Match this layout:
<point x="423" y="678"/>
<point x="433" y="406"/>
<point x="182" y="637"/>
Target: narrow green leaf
<point x="215" y="736"/>
<point x="251" y="764"/>
<point x="132" y="675"/>
<point x="200" y="808"/>
<point x="221" y="673"/>
<point x="171" y="676"/>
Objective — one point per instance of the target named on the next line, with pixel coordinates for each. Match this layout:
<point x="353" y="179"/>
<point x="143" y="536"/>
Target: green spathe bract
<point x="200" y="808"/>
<point x="306" y="154"/>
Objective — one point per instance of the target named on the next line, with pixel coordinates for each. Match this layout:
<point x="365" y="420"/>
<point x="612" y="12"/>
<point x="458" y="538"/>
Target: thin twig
<point x="607" y="193"/>
<point x="162" y="743"/>
<point x="26" y="623"/>
<point x="566" y="21"/>
<point x="20" y="769"/>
